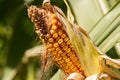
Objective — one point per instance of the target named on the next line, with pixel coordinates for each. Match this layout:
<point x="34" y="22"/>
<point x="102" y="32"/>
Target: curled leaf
<point x="110" y="67"/>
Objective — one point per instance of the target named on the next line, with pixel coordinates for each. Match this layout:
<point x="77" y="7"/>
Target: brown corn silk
<point x="53" y="35"/>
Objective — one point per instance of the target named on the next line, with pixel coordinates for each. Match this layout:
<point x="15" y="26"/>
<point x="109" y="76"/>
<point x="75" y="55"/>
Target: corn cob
<point x="52" y="33"/>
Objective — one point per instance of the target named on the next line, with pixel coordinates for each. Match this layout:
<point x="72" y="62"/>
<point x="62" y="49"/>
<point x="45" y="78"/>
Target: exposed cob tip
<point x="53" y="35"/>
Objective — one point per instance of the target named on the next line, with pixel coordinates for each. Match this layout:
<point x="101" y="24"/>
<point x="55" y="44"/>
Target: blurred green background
<point x="17" y="35"/>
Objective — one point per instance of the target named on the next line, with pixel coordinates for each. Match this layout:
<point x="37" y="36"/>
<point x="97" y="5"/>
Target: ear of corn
<point x="52" y="33"/>
<point x="69" y="45"/>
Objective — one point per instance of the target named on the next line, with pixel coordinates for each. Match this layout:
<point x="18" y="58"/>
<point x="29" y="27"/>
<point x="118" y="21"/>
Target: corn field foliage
<point x="22" y="53"/>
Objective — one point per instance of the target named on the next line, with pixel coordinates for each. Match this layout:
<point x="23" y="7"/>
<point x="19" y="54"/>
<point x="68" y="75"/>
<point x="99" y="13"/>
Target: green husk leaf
<point x="114" y="62"/>
<point x="70" y="16"/>
<point x="117" y="48"/>
<point x="105" y="23"/>
<point x="83" y="11"/>
<point x="111" y="40"/>
<point x="111" y="67"/>
<point x="107" y="4"/>
<point x="88" y="55"/>
<point x="109" y="29"/>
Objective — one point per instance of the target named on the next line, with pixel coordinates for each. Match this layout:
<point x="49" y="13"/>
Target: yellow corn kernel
<point x="56" y="59"/>
<point x="51" y="40"/>
<point x="65" y="48"/>
<point x="65" y="57"/>
<point x="63" y="64"/>
<point x="60" y="41"/>
<point x="71" y="46"/>
<point x="54" y="27"/>
<point x="71" y="67"/>
<point x="52" y="31"/>
<point x="54" y="21"/>
<point x="69" y="54"/>
<point x="49" y="50"/>
<point x="55" y="45"/>
<point x="48" y="36"/>
<point x="66" y="67"/>
<point x="75" y="69"/>
<point x="54" y="52"/>
<point x="63" y="54"/>
<point x="67" y="60"/>
<point x="72" y="56"/>
<point x="79" y="65"/>
<point x="69" y="63"/>
<point x="57" y="55"/>
<point x="74" y="59"/>
<point x="63" y="36"/>
<point x="59" y="24"/>
<point x="60" y="52"/>
<point x="58" y="49"/>
<point x="68" y="50"/>
<point x="48" y="45"/>
<point x="60" y="58"/>
<point x="52" y="15"/>
<point x="62" y="61"/>
<point x="67" y="71"/>
<point x="53" y="49"/>
<point x="60" y="32"/>
<point x="66" y="39"/>
<point x="68" y="42"/>
<point x="55" y="35"/>
<point x="63" y="44"/>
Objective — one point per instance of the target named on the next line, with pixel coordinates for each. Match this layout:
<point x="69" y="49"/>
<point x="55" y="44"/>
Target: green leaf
<point x="111" y="40"/>
<point x="86" y="12"/>
<point x="108" y="22"/>
<point x="117" y="48"/>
